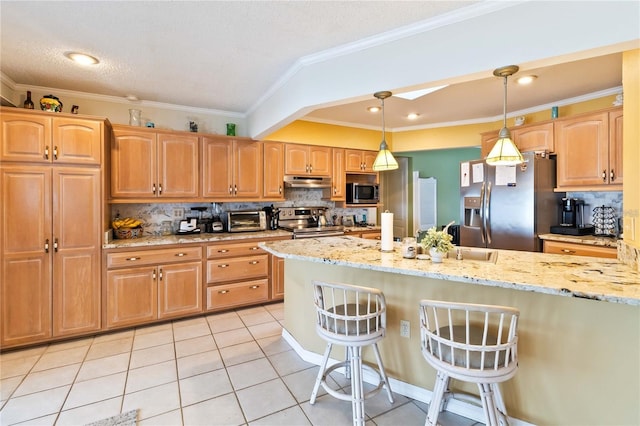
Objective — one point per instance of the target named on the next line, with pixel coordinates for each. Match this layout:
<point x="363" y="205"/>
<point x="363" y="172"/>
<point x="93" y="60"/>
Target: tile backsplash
<point x="598" y="199"/>
<point x="153" y="214"/>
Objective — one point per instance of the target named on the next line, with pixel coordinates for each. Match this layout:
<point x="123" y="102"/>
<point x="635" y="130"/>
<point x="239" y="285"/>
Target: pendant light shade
<point x="384" y="160"/>
<point x="505" y="152"/>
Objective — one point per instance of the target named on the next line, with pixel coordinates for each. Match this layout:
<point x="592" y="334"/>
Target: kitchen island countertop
<point x="576" y="276"/>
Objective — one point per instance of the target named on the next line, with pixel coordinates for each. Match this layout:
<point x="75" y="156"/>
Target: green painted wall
<point x="443" y="164"/>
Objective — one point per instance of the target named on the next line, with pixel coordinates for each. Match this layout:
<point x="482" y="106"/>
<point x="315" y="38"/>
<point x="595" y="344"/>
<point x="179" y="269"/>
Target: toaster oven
<point x="246" y="221"/>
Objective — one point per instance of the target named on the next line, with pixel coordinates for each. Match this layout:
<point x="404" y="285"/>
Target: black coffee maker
<point x="572" y="218"/>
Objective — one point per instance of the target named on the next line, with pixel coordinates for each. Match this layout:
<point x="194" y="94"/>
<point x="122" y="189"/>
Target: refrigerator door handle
<point x="482" y="219"/>
<point x="487" y="217"/>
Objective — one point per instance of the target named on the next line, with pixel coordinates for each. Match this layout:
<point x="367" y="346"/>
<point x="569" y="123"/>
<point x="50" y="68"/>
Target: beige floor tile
<point x="153" y="401"/>
<point x="54" y="347"/>
<point x="267" y="329"/>
<point x="301" y="383"/>
<point x="172" y="418"/>
<point x="224" y="322"/>
<point x="115" y="335"/>
<point x="22" y="353"/>
<point x="204" y="386"/>
<point x="251" y="373"/>
<point x="237" y="354"/>
<point x="17" y="366"/>
<point x="103" y="366"/>
<point x="330" y="411"/>
<point x="288" y="362"/>
<point x="49" y="420"/>
<point x="34" y="405"/>
<point x="95" y="390"/>
<point x="61" y="358"/>
<point x="90" y="413"/>
<point x="189" y="322"/>
<point x="226" y="409"/>
<point x="185" y="332"/>
<point x="407" y="414"/>
<point x="147" y="340"/>
<point x="290" y="416"/>
<point x="101" y="349"/>
<point x="47" y="379"/>
<point x="199" y="363"/>
<point x="195" y="345"/>
<point x="260" y="317"/>
<point x="7" y="386"/>
<point x="153" y="328"/>
<point x="233" y="337"/>
<point x="152" y="355"/>
<point x="277" y="311"/>
<point x="273" y="345"/>
<point x="265" y="399"/>
<point x="151" y="376"/>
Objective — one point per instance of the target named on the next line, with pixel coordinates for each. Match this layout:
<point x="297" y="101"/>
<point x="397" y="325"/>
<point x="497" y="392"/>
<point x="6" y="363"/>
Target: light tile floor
<point x="232" y="368"/>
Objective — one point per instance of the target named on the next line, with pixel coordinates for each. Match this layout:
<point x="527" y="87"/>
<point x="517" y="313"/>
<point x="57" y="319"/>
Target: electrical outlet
<point x="178" y="213"/>
<point x="405" y="328"/>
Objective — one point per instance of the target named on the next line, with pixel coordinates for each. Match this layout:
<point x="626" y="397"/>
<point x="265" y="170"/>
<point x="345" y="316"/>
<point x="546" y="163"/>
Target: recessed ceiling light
<point x="373" y="109"/>
<point x="526" y="79"/>
<point x="82" y="58"/>
<point x="412" y="116"/>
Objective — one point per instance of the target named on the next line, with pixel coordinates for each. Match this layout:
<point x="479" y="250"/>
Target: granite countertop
<point x="582" y="239"/>
<point x="577" y="276"/>
<point x="194" y="238"/>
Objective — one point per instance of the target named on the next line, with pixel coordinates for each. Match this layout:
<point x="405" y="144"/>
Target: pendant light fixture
<point x="505" y="152"/>
<point x="384" y="160"/>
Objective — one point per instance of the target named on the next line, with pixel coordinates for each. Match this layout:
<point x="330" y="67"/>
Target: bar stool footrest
<point x="347" y="396"/>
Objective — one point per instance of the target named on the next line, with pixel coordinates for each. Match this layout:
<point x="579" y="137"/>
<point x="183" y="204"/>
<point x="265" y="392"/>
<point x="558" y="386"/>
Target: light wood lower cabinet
<point x="237" y="275"/>
<point x="277" y="278"/>
<point x="147" y="285"/>
<point x="559" y="247"/>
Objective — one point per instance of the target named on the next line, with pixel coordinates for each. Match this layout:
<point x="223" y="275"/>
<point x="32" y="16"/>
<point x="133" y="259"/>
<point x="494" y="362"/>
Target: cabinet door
<point x="77" y="141"/>
<point x="368" y="157"/>
<point x="338" y="189"/>
<point x="277" y="278"/>
<point x="76" y="253"/>
<point x="615" y="147"/>
<point x="296" y="159"/>
<point x="557" y="247"/>
<point x="353" y="160"/>
<point x="132" y="296"/>
<point x="273" y="170"/>
<point x="25" y="138"/>
<point x="248" y="169"/>
<point x="534" y="138"/>
<point x="320" y="160"/>
<point x="25" y="276"/>
<point x="133" y="164"/>
<point x="217" y="168"/>
<point x="179" y="289"/>
<point x="237" y="268"/>
<point x="178" y="166"/>
<point x="582" y="145"/>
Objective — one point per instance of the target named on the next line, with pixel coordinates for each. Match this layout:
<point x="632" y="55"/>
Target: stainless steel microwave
<point x="363" y="193"/>
<point x="246" y="221"/>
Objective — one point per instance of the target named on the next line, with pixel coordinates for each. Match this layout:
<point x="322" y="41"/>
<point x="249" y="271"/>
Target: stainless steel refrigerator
<point x="506" y="207"/>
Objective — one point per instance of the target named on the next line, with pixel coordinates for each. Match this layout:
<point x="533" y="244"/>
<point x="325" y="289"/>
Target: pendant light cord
<point x="504" y="108"/>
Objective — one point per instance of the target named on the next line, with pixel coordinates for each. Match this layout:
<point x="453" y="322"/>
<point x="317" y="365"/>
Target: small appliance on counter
<point x="272" y="214"/>
<point x="572" y="218"/>
<point x="189" y="226"/>
<point x="247" y="221"/>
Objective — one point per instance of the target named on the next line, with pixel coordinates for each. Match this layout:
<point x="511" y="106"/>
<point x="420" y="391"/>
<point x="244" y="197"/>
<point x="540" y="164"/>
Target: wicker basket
<point x="128" y="233"/>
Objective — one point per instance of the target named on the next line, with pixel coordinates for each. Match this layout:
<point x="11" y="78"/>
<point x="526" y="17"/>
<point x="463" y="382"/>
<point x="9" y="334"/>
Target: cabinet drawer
<point x="239" y="268"/>
<point x="153" y="257"/>
<point x="223" y="296"/>
<point x="233" y="249"/>
<point x="555" y="247"/>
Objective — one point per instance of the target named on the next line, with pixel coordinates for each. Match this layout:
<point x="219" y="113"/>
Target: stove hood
<point x="307" y="182"/>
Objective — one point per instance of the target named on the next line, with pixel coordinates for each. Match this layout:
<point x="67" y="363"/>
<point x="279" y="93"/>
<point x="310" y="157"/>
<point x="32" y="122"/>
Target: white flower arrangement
<point x="440" y="240"/>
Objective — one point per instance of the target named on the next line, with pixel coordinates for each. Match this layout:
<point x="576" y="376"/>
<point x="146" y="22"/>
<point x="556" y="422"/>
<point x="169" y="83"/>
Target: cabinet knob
<point x="223" y="251"/>
<point x="46" y="152"/>
<point x="223" y="291"/>
<point x="181" y="254"/>
<point x="254" y="248"/>
<point x="235" y="189"/>
<point x="254" y="262"/>
<point x="254" y="287"/>
<point x="604" y="175"/>
<point x="568" y="251"/>
<point x="159" y="189"/>
<point x="160" y="274"/>
<point x="132" y="259"/>
<point x="280" y="189"/>
<point x="55" y="245"/>
<point x="55" y="152"/>
<point x="223" y="265"/>
<point x="230" y="190"/>
<point x="46" y="245"/>
<point x="153" y="188"/>
<point x="612" y="176"/>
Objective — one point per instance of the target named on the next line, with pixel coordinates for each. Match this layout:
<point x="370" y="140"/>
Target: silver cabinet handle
<point x="254" y="248"/>
<point x="223" y="251"/>
<point x="55" y="245"/>
<point x="159" y="189"/>
<point x="223" y="291"/>
<point x="46" y="152"/>
<point x="254" y="262"/>
<point x="612" y="176"/>
<point x="55" y="152"/>
<point x="253" y="287"/>
<point x="46" y="245"/>
<point x="604" y="175"/>
<point x="180" y="254"/>
<point x="153" y="188"/>
<point x="160" y="274"/>
<point x="223" y="265"/>
<point x="568" y="251"/>
<point x="132" y="259"/>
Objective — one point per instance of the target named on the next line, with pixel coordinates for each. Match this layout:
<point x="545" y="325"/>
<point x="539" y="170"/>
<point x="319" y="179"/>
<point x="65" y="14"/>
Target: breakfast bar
<point x="579" y="329"/>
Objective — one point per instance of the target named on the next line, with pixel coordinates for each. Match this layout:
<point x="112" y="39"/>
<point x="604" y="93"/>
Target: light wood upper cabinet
<point x="587" y="156"/>
<point x="273" y="170"/>
<point x="35" y="138"/>
<point x="309" y="160"/>
<point x="337" y="192"/>
<point x="146" y="164"/>
<point x="487" y="141"/>
<point x="359" y="161"/>
<point x="232" y="168"/>
<point x="50" y="239"/>
<point x="538" y="137"/>
<point x="615" y="146"/>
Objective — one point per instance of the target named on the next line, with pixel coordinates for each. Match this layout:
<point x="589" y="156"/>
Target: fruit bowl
<point x="128" y="233"/>
<point x="50" y="103"/>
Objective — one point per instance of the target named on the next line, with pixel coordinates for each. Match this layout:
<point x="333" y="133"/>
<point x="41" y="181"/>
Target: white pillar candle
<point x="386" y="234"/>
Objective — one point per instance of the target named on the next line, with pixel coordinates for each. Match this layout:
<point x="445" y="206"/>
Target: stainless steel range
<point x="307" y="222"/>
